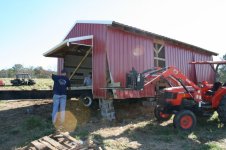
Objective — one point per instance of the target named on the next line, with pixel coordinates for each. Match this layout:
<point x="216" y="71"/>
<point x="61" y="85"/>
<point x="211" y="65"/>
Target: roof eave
<point x="55" y="48"/>
<point x="146" y="33"/>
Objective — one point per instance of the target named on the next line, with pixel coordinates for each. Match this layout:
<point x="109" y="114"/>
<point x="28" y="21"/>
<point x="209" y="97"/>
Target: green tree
<point x="3" y="73"/>
<point x="11" y="73"/>
<point x="17" y="68"/>
<point x="36" y="72"/>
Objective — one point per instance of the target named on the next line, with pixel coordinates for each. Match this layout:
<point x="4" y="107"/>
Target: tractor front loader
<point x="183" y="99"/>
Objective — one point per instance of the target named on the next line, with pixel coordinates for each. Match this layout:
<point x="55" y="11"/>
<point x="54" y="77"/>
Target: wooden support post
<point x="87" y="53"/>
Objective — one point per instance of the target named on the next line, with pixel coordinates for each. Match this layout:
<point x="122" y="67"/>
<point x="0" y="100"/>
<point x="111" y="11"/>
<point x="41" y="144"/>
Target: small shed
<point x="109" y="50"/>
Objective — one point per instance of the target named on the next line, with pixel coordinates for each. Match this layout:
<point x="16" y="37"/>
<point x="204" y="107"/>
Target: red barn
<point x="115" y="48"/>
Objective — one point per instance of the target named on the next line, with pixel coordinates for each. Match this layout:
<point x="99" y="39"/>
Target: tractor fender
<point x="218" y="97"/>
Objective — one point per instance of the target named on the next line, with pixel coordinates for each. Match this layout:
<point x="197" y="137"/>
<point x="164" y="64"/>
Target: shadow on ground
<point x="135" y="127"/>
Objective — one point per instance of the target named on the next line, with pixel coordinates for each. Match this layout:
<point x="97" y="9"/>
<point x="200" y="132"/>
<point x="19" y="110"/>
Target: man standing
<point x="61" y="83"/>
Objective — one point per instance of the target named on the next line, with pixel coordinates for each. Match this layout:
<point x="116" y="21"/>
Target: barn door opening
<point x="77" y="55"/>
<point x="79" y="66"/>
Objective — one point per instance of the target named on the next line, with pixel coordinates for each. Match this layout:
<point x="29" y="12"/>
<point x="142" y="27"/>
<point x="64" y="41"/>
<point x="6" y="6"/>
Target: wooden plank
<point x="87" y="53"/>
<point x="53" y="142"/>
<point x="82" y="67"/>
<point x="38" y="145"/>
<point x="158" y="41"/>
<point x="116" y="84"/>
<point x="47" y="144"/>
<point x="82" y="87"/>
<point x="29" y="148"/>
<point x="60" y="139"/>
<point x="64" y="141"/>
<point x="70" y="144"/>
<point x="71" y="138"/>
<point x="69" y="141"/>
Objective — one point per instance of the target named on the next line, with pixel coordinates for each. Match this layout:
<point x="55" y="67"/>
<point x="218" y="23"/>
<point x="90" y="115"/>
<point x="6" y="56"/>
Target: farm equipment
<point x="22" y="79"/>
<point x="183" y="98"/>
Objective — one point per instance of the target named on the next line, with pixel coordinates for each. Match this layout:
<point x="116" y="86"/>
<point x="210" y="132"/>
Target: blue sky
<point x="28" y="28"/>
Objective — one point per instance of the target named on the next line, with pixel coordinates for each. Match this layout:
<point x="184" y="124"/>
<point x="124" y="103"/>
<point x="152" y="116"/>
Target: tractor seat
<point x="215" y="87"/>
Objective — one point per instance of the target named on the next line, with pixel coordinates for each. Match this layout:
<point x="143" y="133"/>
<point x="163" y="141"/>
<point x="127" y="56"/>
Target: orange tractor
<point x="183" y="98"/>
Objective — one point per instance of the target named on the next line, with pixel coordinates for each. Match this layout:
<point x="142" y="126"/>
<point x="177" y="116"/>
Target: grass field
<point x="41" y="84"/>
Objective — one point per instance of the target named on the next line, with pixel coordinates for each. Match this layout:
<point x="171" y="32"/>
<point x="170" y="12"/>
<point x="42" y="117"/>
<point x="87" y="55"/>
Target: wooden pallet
<point x="58" y="141"/>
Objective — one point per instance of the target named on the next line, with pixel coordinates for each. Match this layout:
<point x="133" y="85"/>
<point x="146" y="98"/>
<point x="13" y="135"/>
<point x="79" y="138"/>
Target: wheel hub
<point x="186" y="122"/>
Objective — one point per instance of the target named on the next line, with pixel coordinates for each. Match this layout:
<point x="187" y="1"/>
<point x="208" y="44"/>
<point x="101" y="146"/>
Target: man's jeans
<point x="59" y="100"/>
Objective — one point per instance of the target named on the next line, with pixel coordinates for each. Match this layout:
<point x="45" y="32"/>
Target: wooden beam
<point x="160" y="48"/>
<point x="38" y="145"/>
<point x="81" y="88"/>
<point x="86" y="68"/>
<point x="53" y="142"/>
<point x="87" y="53"/>
<point x="47" y="144"/>
<point x="70" y="138"/>
<point x="157" y="58"/>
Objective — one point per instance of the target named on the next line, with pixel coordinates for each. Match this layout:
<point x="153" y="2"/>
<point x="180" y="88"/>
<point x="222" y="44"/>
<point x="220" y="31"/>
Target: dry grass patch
<point x="41" y="84"/>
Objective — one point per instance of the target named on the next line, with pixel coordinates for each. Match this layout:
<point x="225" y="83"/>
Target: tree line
<point x="35" y="72"/>
<point x="39" y="72"/>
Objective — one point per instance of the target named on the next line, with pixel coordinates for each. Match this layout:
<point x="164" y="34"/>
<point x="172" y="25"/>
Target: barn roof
<point x="145" y="33"/>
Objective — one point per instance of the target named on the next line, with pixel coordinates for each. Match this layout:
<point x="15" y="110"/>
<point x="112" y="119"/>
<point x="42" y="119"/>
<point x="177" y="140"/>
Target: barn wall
<point x="99" y="54"/>
<point x="203" y="72"/>
<point x="124" y="51"/>
<point x="180" y="57"/>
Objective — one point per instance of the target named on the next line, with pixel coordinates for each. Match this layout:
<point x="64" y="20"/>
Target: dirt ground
<point x="135" y="127"/>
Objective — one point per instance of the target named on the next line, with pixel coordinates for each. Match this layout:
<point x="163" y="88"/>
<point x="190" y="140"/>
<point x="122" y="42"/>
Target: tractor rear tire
<point x="185" y="120"/>
<point x="222" y="111"/>
<point x="159" y="115"/>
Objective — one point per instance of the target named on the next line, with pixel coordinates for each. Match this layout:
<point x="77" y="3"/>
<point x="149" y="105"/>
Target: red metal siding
<point x="180" y="58"/>
<point x="99" y="54"/>
<point x="203" y="72"/>
<point x="124" y="51"/>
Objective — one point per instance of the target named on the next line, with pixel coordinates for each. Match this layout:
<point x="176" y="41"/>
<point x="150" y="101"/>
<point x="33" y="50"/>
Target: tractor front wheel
<point x="185" y="120"/>
<point x="222" y="110"/>
<point x="160" y="115"/>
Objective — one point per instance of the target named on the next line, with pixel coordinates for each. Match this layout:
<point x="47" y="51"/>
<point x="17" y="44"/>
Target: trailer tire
<point x="185" y="120"/>
<point x="159" y="115"/>
<point x="222" y="110"/>
<point x="87" y="99"/>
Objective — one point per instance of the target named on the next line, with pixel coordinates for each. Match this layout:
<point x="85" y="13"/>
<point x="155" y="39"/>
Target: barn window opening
<point x="159" y="55"/>
<point x="159" y="61"/>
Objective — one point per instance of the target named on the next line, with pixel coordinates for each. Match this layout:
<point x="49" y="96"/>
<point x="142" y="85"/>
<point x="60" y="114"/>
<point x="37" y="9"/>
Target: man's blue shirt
<point x="60" y="84"/>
